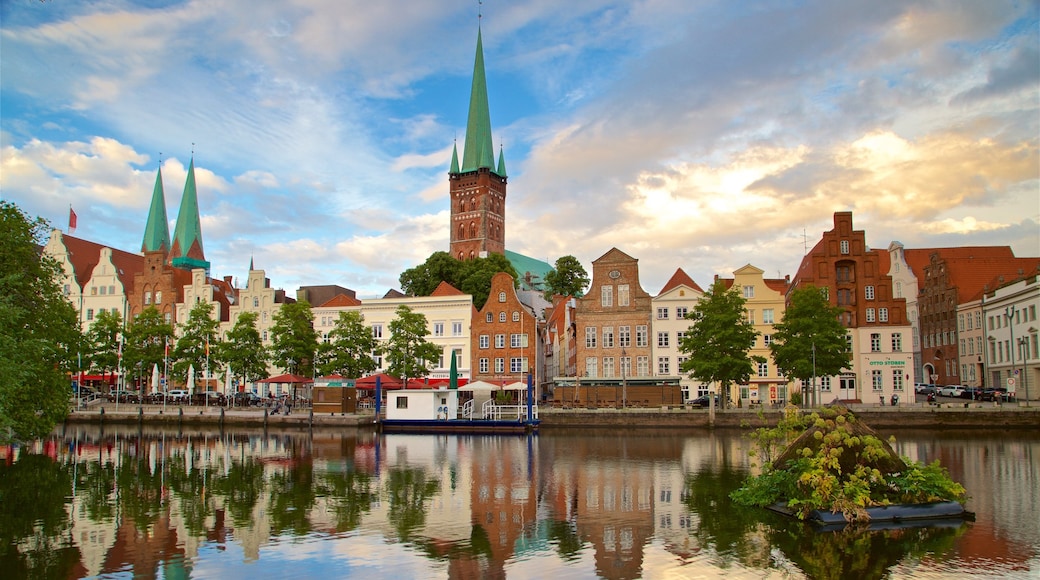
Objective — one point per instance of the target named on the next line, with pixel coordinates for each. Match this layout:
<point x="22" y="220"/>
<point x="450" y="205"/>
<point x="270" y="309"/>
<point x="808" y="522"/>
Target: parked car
<point x="924" y="389"/>
<point x="124" y="397"/>
<point x="177" y="396"/>
<point x="994" y="395"/>
<point x="246" y="399"/>
<point x="951" y="391"/>
<point x="702" y="401"/>
<point x="207" y="398"/>
<point x="973" y="393"/>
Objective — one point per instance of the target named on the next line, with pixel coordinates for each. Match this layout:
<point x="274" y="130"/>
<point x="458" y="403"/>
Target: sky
<point x="702" y="135"/>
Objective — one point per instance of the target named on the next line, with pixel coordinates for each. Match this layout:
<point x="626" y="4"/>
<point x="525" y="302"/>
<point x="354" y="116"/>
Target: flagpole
<point x="166" y="372"/>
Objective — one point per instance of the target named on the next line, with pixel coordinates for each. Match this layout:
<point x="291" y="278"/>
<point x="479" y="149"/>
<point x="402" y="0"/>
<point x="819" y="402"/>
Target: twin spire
<point x="185" y="251"/>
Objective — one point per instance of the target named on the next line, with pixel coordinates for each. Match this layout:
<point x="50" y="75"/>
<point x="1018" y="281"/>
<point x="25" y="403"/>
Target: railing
<point x="508" y="412"/>
<point x="467" y="410"/>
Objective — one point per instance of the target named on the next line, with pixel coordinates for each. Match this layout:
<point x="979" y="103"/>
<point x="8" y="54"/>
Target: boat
<point x="890" y="516"/>
<point x="443" y="411"/>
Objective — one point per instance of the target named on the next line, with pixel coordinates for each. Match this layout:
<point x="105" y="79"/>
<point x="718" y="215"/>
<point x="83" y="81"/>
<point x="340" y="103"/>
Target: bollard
<point x="140" y="415"/>
<point x="102" y="414"/>
<point x="310" y="420"/>
<point x="222" y="417"/>
<point x="265" y="417"/>
<point x="180" y="416"/>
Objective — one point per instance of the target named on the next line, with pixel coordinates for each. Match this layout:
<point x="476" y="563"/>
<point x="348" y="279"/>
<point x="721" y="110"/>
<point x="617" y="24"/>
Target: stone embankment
<point x="943" y="416"/>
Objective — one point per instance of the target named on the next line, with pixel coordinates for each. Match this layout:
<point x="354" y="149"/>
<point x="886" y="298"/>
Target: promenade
<point x="946" y="415"/>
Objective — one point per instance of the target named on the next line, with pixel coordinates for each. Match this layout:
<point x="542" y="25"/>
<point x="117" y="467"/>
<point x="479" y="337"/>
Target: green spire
<point x="454" y="159"/>
<point x="501" y="162"/>
<point x="479" y="151"/>
<point x="187" y="251"/>
<point x="157" y="228"/>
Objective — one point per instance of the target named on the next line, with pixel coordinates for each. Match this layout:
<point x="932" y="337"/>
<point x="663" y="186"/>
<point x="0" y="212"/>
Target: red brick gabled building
<point x="503" y="335"/>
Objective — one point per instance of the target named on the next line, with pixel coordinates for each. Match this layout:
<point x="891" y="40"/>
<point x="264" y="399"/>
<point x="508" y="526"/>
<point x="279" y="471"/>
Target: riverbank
<point x="912" y="416"/>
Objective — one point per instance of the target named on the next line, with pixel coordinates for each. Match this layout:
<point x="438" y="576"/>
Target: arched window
<point x="462" y="231"/>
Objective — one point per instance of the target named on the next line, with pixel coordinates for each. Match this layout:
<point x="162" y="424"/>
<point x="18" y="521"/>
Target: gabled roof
<point x="680" y="278"/>
<point x="614" y="255"/>
<point x="341" y="300"/>
<point x="918" y="258"/>
<point x="84" y="256"/>
<point x="971" y="276"/>
<point x="391" y="293"/>
<point x="445" y="289"/>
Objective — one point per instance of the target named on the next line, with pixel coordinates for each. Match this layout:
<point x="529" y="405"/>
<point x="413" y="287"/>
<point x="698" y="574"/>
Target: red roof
<point x="445" y="289"/>
<point x="84" y="255"/>
<point x="385" y="381"/>
<point x="680" y="278"/>
<point x="287" y="378"/>
<point x="340" y="300"/>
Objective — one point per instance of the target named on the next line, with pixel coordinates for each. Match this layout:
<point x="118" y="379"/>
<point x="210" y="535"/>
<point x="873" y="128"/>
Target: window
<point x="897" y="379"/>
<point x="517" y="340"/>
<point x="766" y="339"/>
<point x="825" y="384"/>
<point x="662" y="340"/>
<point x="642" y="338"/>
<point x="256" y="302"/>
<point x="90" y="314"/>
<point x="606" y="296"/>
<point x="882" y="314"/>
<point x="485" y="365"/>
<point x="978" y="320"/>
<point x="844" y="244"/>
<point x="501" y="316"/>
<point x="624" y="336"/>
<point x="622" y="295"/>
<point x="767" y="316"/>
<point x="500" y="365"/>
<point x="402" y="402"/>
<point x="626" y="366"/>
<point x="489" y="317"/>
<point x="111" y="289"/>
<point x="868" y="292"/>
<point x="679" y="336"/>
<point x="870" y="315"/>
<point x="875" y="342"/>
<point x="608" y="337"/>
<point x="500" y="341"/>
<point x="763" y="369"/>
<point x="608" y="366"/>
<point x="456" y="329"/>
<point x="642" y="366"/>
<point x="377" y="331"/>
<point x="826" y="291"/>
<point x="517" y="364"/>
<point x="960" y="322"/>
<point x="485" y="341"/>
<point x="516" y="316"/>
<point x="66" y="289"/>
<point x="158" y="297"/>
<point x="843" y="274"/>
<point x="104" y="290"/>
<point x="591" y="367"/>
<point x="438" y="329"/>
<point x="751" y="316"/>
<point x="844" y="296"/>
<point x="501" y="296"/>
<point x="681" y="312"/>
<point x="662" y="365"/>
<point x="662" y="313"/>
<point x="590" y="337"/>
<point x="897" y="342"/>
<point x="749" y="291"/>
<point x="148" y="300"/>
<point x="876" y="381"/>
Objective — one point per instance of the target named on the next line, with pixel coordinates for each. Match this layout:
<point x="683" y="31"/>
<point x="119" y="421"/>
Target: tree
<point x="477" y="273"/>
<point x="350" y="347"/>
<point x="102" y="341"/>
<point x="145" y="342"/>
<point x="39" y="331"/>
<point x="408" y="351"/>
<point x="810" y="341"/>
<point x="470" y="276"/>
<point x="243" y="350"/>
<point x="718" y="343"/>
<point x="567" y="278"/>
<point x="198" y="334"/>
<point x="293" y="338"/>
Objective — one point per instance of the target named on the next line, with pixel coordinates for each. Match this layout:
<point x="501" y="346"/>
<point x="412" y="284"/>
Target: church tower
<point x="478" y="188"/>
<point x="157" y="228"/>
<point x="186" y="251"/>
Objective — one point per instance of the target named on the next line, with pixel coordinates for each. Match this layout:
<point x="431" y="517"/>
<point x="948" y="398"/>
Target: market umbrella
<point x="453" y="374"/>
<point x="155" y="378"/>
<point x="227" y="382"/>
<point x="191" y="380"/>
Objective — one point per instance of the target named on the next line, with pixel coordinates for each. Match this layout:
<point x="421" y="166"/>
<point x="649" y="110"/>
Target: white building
<point x="1013" y="336"/>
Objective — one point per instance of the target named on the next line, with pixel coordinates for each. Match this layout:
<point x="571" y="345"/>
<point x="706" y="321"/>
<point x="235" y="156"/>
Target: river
<point x="129" y="502"/>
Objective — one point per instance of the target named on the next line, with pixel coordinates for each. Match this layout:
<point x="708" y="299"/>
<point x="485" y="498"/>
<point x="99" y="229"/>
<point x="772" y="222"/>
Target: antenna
<point x="805" y="243"/>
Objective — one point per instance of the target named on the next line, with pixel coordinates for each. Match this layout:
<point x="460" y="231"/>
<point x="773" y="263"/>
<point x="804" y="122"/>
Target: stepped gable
<point x="85" y="255"/>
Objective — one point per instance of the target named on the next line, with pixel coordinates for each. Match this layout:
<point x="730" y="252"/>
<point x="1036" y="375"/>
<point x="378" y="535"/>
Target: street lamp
<point x="624" y="381"/>
<point x="1024" y="343"/>
<point x="1009" y="311"/>
<point x="814" y="372"/>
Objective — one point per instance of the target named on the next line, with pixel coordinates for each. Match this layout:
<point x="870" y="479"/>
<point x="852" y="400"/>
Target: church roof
<point x="531" y="270"/>
<point x="479" y="150"/>
<point x="157" y="228"/>
<point x="186" y="251"/>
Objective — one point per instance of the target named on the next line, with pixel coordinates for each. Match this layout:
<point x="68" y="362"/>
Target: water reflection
<point x="88" y="502"/>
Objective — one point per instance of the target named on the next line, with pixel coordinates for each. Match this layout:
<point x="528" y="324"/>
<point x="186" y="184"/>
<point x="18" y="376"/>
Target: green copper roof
<point x="454" y="159"/>
<point x="479" y="151"/>
<point x="157" y="228"/>
<point x="186" y="251"/>
<point x="526" y="264"/>
<point x="501" y="162"/>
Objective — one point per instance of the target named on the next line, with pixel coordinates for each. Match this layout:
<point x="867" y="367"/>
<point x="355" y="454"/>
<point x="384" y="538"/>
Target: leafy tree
<point x="470" y="276"/>
<point x="293" y="338"/>
<point x="718" y="343"/>
<point x="102" y="341"/>
<point x="477" y="274"/>
<point x="198" y="335"/>
<point x="145" y="341"/>
<point x="350" y="347"/>
<point x="567" y="278"/>
<point x="408" y="351"/>
<point x="243" y="350"/>
<point x="810" y="341"/>
<point x="39" y="331"/>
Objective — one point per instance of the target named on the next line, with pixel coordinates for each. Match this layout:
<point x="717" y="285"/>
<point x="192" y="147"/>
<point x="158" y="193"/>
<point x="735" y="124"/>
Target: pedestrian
<point x="882" y="400"/>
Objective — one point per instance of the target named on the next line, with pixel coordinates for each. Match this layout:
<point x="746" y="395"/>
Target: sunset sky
<point x="689" y="134"/>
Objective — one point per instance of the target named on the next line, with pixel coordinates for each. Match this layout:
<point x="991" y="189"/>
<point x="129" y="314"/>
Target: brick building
<point x="503" y="335"/>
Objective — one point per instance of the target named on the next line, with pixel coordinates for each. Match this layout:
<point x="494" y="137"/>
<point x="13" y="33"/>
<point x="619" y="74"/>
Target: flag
<point x="72" y="220"/>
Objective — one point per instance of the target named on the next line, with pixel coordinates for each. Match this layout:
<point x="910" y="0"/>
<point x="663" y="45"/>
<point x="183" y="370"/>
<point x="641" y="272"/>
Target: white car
<point x="177" y="395"/>
<point x="951" y="390"/>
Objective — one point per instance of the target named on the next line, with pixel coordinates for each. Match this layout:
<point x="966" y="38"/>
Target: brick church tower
<point x="478" y="189"/>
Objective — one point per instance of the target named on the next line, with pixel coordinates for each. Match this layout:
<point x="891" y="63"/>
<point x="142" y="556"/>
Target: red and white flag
<point x="72" y="220"/>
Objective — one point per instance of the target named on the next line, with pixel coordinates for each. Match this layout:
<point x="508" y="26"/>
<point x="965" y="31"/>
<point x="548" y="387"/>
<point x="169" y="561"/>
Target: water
<point x="124" y="503"/>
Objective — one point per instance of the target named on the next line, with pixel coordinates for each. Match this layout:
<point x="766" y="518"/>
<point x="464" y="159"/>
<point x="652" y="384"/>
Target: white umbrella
<point x="191" y="379"/>
<point x="227" y="382"/>
<point x="155" y="378"/>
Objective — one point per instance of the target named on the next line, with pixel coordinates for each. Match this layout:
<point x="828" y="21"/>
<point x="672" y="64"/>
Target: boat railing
<point x="467" y="409"/>
<point x="508" y="412"/>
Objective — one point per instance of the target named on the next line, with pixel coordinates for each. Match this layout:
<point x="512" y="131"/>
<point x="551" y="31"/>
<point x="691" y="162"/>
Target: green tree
<point x="102" y="342"/>
<point x="350" y="347"/>
<point x="243" y="350"/>
<point x="718" y="342"/>
<point x="39" y="331"/>
<point x="567" y="278"/>
<point x="407" y="350"/>
<point x="145" y="341"/>
<point x="293" y="338"/>
<point x="198" y="335"/>
<point x="477" y="273"/>
<point x="810" y="341"/>
<point x="470" y="276"/>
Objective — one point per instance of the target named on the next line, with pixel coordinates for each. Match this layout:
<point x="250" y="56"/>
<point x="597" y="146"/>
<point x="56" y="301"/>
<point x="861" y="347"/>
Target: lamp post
<point x="1024" y="344"/>
<point x="814" y="372"/>
<point x="624" y="380"/>
<point x="1009" y="311"/>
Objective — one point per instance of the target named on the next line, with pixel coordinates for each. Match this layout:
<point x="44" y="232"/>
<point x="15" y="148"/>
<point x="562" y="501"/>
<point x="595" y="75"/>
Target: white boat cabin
<point x="422" y="405"/>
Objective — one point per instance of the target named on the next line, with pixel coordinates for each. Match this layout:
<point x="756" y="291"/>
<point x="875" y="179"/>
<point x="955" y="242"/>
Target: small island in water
<point x="831" y="468"/>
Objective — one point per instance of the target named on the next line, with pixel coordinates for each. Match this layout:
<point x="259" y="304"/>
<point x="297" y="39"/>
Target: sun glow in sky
<point x="697" y="135"/>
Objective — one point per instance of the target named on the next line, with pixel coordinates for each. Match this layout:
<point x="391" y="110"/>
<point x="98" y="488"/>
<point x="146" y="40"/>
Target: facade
<point x="203" y="289"/>
<point x="504" y="336"/>
<point x="670" y="307"/>
<point x="559" y="339"/>
<point x="765" y="304"/>
<point x="855" y="279"/>
<point x="260" y="298"/>
<point x="613" y="321"/>
<point x="477" y="188"/>
<point x="1009" y="314"/>
<point x="904" y="268"/>
<point x="971" y="340"/>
